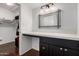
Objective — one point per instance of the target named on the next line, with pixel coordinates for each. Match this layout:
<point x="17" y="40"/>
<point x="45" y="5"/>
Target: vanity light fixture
<point x="48" y="8"/>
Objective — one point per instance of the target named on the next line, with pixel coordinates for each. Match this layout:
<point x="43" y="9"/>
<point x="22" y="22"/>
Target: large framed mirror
<point x="50" y="20"/>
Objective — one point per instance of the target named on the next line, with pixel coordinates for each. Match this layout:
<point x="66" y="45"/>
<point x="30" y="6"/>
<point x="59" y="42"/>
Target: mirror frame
<point x="58" y="20"/>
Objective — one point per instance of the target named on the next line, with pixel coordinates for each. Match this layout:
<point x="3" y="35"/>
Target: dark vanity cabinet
<point x="50" y="50"/>
<point x="58" y="47"/>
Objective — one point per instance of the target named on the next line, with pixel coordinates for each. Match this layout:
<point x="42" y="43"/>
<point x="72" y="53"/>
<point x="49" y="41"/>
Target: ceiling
<point x="35" y="5"/>
<point x="12" y="8"/>
<point x="16" y="6"/>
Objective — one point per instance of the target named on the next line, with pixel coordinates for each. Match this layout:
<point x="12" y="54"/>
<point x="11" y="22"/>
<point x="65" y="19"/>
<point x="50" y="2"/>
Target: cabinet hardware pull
<point x="61" y="48"/>
<point x="65" y="50"/>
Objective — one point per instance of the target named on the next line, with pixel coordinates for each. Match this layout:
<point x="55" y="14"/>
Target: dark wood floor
<point x="8" y="49"/>
<point x="31" y="52"/>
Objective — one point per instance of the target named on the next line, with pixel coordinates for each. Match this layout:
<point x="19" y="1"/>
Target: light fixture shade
<point x="50" y="9"/>
<point x="47" y="10"/>
<point x="43" y="11"/>
<point x="11" y="4"/>
<point x="53" y="9"/>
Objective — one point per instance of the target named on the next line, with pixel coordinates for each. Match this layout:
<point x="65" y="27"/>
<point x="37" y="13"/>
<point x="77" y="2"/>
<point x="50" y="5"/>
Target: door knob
<point x="61" y="48"/>
<point x="65" y="49"/>
<point x="43" y="48"/>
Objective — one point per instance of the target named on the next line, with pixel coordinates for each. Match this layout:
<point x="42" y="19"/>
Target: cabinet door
<point x="44" y="50"/>
<point x="55" y="51"/>
<point x="50" y="50"/>
<point x="71" y="52"/>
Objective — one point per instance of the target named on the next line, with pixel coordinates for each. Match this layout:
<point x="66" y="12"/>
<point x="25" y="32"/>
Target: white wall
<point x="35" y="43"/>
<point x="26" y="26"/>
<point x="17" y="11"/>
<point x="78" y="20"/>
<point x="26" y="18"/>
<point x="7" y="30"/>
<point x="7" y="33"/>
<point x="68" y="19"/>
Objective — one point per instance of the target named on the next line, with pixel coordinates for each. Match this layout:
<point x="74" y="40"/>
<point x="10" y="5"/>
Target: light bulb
<point x="46" y="10"/>
<point x="11" y="4"/>
<point x="53" y="9"/>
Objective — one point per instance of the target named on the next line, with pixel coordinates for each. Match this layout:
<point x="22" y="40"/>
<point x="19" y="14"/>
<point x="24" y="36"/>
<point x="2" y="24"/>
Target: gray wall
<point x="68" y="19"/>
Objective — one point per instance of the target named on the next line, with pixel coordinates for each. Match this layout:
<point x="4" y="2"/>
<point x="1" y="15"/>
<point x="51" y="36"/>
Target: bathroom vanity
<point x="55" y="44"/>
<point x="58" y="47"/>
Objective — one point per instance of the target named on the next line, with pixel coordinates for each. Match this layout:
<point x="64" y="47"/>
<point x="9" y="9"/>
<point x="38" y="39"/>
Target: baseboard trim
<point x="30" y="50"/>
<point x="7" y="43"/>
<point x="24" y="52"/>
<point x="35" y="50"/>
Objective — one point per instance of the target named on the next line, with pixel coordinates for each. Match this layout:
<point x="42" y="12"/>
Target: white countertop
<point x="56" y="35"/>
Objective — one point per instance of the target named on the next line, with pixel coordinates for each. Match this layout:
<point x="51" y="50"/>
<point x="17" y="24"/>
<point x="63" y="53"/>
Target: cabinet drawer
<point x="70" y="52"/>
<point x="61" y="42"/>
